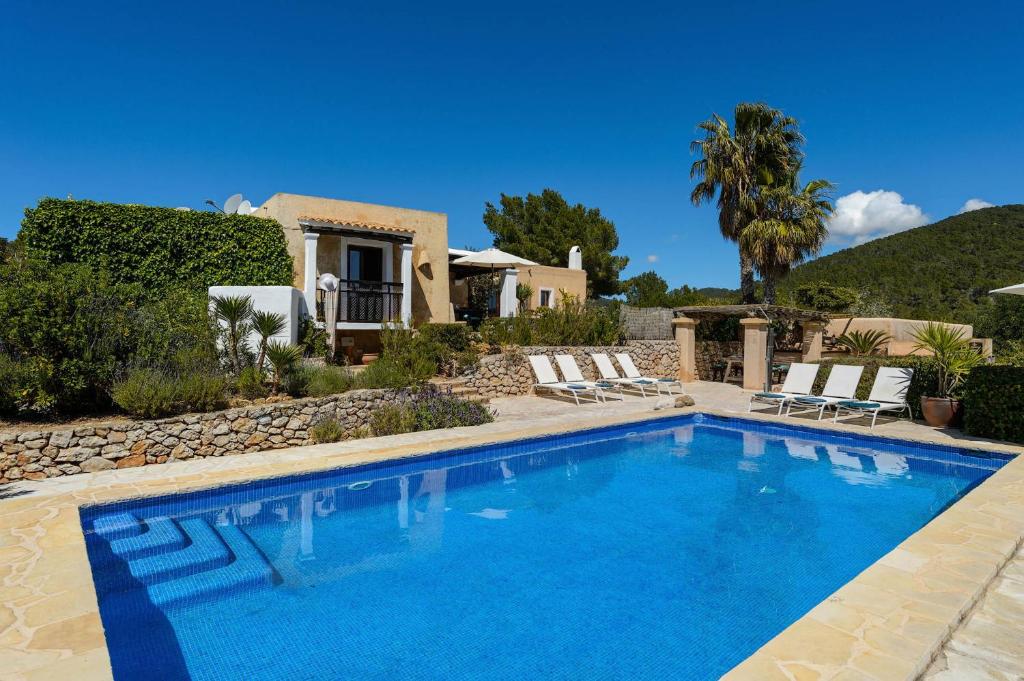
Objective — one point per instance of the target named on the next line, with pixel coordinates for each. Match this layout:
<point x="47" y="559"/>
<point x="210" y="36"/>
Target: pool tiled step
<point x="206" y="552"/>
<point x="162" y="534"/>
<point x="178" y="563"/>
<point x="248" y="571"/>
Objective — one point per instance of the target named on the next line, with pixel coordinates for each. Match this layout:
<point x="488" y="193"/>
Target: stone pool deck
<point x="890" y="622"/>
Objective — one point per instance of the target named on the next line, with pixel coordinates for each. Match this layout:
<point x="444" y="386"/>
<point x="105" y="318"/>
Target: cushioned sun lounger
<point x="547" y="379"/>
<point x="608" y="373"/>
<point x="798" y="383"/>
<point x="571" y="373"/>
<point x="631" y="372"/>
<point x="841" y="385"/>
<point x="888" y="394"/>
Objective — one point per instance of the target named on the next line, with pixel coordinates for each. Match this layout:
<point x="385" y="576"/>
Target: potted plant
<point x="954" y="358"/>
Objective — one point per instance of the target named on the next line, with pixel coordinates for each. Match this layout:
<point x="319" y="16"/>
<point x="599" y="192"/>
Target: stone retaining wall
<point x="35" y="455"/>
<point x="510" y="374"/>
<point x="709" y="352"/>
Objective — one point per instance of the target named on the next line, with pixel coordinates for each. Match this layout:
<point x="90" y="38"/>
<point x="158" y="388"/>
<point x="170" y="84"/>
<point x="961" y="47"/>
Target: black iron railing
<point x="364" y="301"/>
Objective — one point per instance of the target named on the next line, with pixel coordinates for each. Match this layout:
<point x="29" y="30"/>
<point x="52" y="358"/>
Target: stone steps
<point x="459" y="387"/>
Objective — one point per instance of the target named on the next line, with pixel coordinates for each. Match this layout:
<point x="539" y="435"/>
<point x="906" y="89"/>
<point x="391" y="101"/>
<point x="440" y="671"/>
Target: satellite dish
<point x="244" y="208"/>
<point x="232" y="204"/>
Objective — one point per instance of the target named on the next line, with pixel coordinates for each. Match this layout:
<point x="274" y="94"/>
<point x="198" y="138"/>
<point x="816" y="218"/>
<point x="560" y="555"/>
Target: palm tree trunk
<point x="769" y="289"/>
<point x="746" y="278"/>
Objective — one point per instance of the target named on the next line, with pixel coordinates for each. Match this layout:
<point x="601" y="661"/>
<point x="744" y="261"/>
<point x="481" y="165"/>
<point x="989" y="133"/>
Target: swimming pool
<point x="668" y="549"/>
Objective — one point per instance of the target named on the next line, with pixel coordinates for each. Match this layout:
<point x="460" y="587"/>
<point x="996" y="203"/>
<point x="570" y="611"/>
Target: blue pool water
<point x="672" y="549"/>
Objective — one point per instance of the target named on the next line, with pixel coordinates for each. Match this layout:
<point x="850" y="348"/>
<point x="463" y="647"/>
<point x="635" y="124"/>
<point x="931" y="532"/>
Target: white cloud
<point x="652" y="258"/>
<point x="863" y="216"/>
<point x="974" y="204"/>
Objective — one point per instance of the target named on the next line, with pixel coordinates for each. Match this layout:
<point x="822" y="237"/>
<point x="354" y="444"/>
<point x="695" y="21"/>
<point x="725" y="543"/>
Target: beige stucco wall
<point x="901" y="330"/>
<point x="559" y="279"/>
<point x="430" y="242"/>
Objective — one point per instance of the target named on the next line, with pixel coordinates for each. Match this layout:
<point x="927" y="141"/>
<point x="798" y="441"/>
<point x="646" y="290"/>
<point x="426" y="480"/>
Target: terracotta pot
<point x="370" y="357"/>
<point x="941" y="411"/>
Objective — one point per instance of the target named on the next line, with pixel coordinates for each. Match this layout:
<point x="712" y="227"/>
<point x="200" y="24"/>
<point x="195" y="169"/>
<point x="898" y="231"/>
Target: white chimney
<point x="575" y="258"/>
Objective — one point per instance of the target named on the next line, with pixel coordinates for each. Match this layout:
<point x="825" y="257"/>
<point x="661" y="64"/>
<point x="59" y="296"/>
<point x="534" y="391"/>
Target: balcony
<point x="362" y="304"/>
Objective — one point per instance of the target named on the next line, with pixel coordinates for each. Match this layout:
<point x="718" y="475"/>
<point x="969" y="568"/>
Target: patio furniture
<point x="841" y="385"/>
<point x="547" y="379"/>
<point x="571" y="373"/>
<point x="607" y="370"/>
<point x="718" y="371"/>
<point x="798" y="383"/>
<point x="733" y="363"/>
<point x="628" y="368"/>
<point x="888" y="394"/>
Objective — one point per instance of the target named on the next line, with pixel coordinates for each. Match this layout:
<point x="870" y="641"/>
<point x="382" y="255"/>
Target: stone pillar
<point x="755" y="347"/>
<point x="810" y="347"/>
<point x="406" y="274"/>
<point x="309" y="283"/>
<point x="508" y="304"/>
<point x="686" y="337"/>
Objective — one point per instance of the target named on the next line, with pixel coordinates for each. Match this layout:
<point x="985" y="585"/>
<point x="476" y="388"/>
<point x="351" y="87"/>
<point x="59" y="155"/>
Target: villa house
<point x="394" y="265"/>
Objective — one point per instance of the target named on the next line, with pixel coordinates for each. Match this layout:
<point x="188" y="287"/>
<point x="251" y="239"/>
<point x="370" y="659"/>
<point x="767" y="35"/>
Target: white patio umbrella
<point x="1016" y="290"/>
<point x="493" y="257"/>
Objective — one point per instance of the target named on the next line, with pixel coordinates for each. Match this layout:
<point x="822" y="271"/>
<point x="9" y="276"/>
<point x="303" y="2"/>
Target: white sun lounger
<point x="608" y="373"/>
<point x="547" y="379"/>
<point x="572" y="374"/>
<point x="841" y="385"/>
<point x="632" y="373"/>
<point x="798" y="383"/>
<point x="889" y="393"/>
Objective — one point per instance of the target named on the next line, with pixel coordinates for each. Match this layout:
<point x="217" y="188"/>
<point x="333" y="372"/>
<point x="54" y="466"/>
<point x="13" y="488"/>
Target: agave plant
<point x="953" y="354"/>
<point x="860" y="343"/>
<point x="283" y="358"/>
<point x="266" y="325"/>
<point x="234" y="312"/>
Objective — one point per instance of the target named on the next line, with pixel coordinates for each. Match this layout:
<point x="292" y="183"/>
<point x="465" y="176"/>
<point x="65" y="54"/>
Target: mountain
<point x="942" y="271"/>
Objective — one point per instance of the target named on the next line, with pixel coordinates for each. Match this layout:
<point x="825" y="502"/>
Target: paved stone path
<point x="989" y="644"/>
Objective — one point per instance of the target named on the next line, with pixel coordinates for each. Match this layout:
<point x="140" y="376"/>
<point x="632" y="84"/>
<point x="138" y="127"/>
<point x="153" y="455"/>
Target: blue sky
<point x="445" y="106"/>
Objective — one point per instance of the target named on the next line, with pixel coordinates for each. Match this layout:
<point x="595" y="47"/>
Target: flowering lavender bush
<point x="428" y="408"/>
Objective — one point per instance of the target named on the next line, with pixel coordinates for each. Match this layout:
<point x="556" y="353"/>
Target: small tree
<point x="266" y="325"/>
<point x="234" y="312"/>
<point x="283" y="358"/>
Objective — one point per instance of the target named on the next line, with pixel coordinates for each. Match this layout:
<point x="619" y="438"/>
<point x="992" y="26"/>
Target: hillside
<point x="940" y="271"/>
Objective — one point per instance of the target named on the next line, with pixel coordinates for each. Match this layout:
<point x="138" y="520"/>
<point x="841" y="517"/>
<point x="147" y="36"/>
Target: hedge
<point x="159" y="248"/>
<point x="924" y="381"/>
<point x="994" y="402"/>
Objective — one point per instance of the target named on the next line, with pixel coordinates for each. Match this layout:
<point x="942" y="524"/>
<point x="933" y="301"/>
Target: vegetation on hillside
<point x="651" y="290"/>
<point x="543" y="227"/>
<point x="941" y="272"/>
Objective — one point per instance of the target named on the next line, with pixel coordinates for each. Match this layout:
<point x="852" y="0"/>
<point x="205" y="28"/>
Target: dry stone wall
<point x="35" y="455"/>
<point x="509" y="373"/>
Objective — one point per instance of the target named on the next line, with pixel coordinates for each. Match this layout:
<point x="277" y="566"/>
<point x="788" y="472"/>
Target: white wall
<point x="284" y="300"/>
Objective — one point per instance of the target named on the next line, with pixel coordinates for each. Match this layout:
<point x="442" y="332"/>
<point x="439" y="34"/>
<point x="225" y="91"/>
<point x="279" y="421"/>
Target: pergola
<point x="755" y="320"/>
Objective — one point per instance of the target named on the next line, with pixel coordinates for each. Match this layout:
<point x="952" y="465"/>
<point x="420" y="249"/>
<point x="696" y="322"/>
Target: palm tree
<point x="787" y="225"/>
<point x="266" y="324"/>
<point x="761" y="147"/>
<point x="234" y="312"/>
<point x="283" y="358"/>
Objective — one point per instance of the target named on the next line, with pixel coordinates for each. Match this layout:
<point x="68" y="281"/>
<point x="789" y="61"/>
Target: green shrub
<point x="146" y="393"/>
<point x="392" y="419"/>
<point x="405" y="360"/>
<point x="994" y="402"/>
<point x="450" y="345"/>
<point x="200" y="392"/>
<point x="15" y="379"/>
<point x="328" y="380"/>
<point x="161" y="249"/>
<point x="152" y="393"/>
<point x="926" y="375"/>
<point x="571" y="323"/>
<point x="296" y="381"/>
<point x="313" y="339"/>
<point x="327" y="430"/>
<point x="251" y="384"/>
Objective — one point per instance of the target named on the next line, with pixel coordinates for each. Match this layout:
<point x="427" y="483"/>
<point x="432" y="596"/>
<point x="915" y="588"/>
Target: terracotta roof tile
<point x="361" y="224"/>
